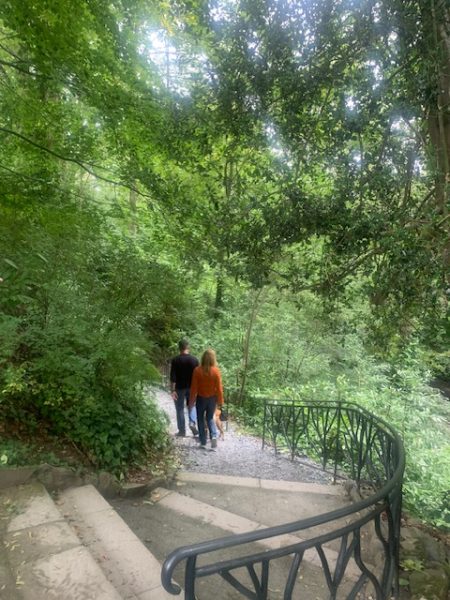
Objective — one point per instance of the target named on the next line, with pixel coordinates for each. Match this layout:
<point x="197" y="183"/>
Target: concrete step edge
<point x="235" y="524"/>
<point x="268" y="484"/>
<point x="127" y="563"/>
<point x="46" y="559"/>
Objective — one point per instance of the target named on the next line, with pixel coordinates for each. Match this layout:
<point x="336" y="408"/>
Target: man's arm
<point x="173" y="379"/>
<point x="194" y="388"/>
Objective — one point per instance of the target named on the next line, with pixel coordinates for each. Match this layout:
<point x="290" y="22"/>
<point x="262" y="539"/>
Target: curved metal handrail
<point x="386" y="499"/>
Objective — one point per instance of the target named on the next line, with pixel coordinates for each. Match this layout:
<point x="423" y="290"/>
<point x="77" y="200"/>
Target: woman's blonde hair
<point x="208" y="360"/>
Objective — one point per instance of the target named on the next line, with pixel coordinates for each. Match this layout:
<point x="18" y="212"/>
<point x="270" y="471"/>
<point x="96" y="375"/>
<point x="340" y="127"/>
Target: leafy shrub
<point x="119" y="432"/>
<point x="15" y="453"/>
<point x="74" y="351"/>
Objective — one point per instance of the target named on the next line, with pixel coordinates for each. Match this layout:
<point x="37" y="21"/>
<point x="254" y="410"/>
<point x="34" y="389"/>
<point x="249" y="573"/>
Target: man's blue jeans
<point x="180" y="403"/>
<point x="206" y="406"/>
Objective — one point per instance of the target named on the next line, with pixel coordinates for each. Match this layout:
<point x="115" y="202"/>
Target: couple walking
<point x="200" y="386"/>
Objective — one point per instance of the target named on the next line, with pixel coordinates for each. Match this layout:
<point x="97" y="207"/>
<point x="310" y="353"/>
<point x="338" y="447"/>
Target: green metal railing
<point x="349" y="442"/>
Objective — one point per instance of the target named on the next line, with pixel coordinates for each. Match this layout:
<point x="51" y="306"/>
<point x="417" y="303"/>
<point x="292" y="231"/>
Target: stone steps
<point x="75" y="549"/>
<point x="167" y="520"/>
<point x="267" y="502"/>
<point x="201" y="507"/>
<point x="263" y="484"/>
<point x="233" y="523"/>
<point x="46" y="560"/>
<point x="80" y="547"/>
<point x="132" y="569"/>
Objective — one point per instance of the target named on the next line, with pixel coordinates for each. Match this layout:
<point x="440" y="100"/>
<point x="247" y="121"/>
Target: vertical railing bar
<point x="290" y="583"/>
<point x="264" y="579"/>
<point x="324" y="438"/>
<point x="189" y="578"/>
<point x="255" y="580"/>
<point x="293" y="430"/>
<point x="274" y="430"/>
<point x="338" y="442"/>
<point x="264" y="425"/>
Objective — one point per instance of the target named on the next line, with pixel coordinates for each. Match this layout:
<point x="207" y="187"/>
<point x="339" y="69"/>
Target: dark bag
<point x="223" y="415"/>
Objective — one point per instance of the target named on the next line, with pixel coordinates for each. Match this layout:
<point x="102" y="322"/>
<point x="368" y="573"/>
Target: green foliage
<point x="14" y="453"/>
<point x="410" y="564"/>
<point x="118" y="432"/>
<point x="301" y="350"/>
<point x="290" y="146"/>
<point x="74" y="351"/>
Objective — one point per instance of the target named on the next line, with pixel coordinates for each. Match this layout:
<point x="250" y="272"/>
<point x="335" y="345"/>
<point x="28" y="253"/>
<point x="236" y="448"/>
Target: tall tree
<point x="352" y="98"/>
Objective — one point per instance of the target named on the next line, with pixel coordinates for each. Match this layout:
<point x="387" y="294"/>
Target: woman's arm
<point x="219" y="388"/>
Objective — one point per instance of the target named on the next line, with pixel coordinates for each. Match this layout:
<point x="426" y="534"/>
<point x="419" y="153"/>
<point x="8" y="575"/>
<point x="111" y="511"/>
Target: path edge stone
<point x="61" y="478"/>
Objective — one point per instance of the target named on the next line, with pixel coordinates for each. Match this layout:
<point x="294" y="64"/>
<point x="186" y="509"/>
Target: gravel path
<point x="239" y="454"/>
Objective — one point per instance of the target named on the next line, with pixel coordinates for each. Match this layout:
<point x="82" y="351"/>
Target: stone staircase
<point x="77" y="546"/>
<point x="198" y="507"/>
<point x="73" y="548"/>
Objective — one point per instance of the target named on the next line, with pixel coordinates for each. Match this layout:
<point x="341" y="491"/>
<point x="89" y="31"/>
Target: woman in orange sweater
<point x="206" y="392"/>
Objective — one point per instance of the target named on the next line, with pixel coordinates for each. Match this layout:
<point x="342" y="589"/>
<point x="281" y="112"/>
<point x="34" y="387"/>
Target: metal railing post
<point x="293" y="430"/>
<point x="338" y="442"/>
<point x="189" y="578"/>
<point x="264" y="424"/>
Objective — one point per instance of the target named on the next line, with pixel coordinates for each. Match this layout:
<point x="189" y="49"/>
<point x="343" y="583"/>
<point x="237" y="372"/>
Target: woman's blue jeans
<point x="206" y="406"/>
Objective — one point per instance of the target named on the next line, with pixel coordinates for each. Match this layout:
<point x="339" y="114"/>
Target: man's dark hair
<point x="183" y="345"/>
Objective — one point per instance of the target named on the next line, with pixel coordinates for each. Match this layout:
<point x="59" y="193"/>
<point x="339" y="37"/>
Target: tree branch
<point x="76" y="161"/>
<point x="11" y="53"/>
<point x="20" y="69"/>
<point x="40" y="180"/>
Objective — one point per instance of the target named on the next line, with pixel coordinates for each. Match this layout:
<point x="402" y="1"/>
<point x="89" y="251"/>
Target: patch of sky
<point x="393" y="37"/>
<point x="269" y="16"/>
<point x="406" y="131"/>
<point x="357" y="158"/>
<point x="405" y="128"/>
<point x="398" y="125"/>
<point x="223" y="11"/>
<point x="347" y="19"/>
<point x="392" y="42"/>
<point x="420" y="168"/>
<point x="177" y="63"/>
<point x="309" y="39"/>
<point x="253" y="44"/>
<point x="274" y="144"/>
<point x="376" y="12"/>
<point x="375" y="69"/>
<point x="351" y="103"/>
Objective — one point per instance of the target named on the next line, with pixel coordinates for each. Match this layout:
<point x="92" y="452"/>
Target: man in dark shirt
<point x="181" y="369"/>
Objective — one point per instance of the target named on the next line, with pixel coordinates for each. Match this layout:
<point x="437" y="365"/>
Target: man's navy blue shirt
<point x="181" y="369"/>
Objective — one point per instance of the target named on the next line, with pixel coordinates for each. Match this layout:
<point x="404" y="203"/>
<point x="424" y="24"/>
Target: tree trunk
<point x="246" y="345"/>
<point x="439" y="114"/>
<point x="437" y="28"/>
<point x="218" y="301"/>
